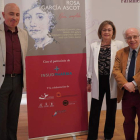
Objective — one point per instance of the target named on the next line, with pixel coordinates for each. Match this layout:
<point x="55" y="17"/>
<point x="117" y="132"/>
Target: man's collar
<point x="7" y="29"/>
<point x="137" y="49"/>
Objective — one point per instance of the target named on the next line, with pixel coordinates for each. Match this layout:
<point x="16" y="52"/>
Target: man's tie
<point x="131" y="67"/>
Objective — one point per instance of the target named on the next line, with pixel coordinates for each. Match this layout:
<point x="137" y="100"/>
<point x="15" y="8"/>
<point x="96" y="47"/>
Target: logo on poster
<point x="56" y="74"/>
<point x="58" y="94"/>
<point x="46" y="105"/>
<point x="56" y="68"/>
<point x="58" y="112"/>
<point x="65" y="102"/>
<point x="40" y="106"/>
<point x="46" y="97"/>
<point x="50" y="104"/>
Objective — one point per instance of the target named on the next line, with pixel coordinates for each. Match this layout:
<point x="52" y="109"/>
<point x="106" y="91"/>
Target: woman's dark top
<point x="103" y="63"/>
<point x="104" y="60"/>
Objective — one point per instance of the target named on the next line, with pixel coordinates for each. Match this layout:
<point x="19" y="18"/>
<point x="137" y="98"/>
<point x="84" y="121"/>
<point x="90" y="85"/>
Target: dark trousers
<point x="10" y="98"/>
<point x="131" y="108"/>
<point x="96" y="109"/>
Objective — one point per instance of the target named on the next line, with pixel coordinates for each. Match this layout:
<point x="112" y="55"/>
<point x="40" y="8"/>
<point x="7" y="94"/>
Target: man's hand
<point x="88" y="87"/>
<point x="129" y="87"/>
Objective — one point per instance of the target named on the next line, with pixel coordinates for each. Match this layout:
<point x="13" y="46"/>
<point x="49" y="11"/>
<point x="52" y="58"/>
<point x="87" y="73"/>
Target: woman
<point x="101" y="80"/>
<point x="39" y="21"/>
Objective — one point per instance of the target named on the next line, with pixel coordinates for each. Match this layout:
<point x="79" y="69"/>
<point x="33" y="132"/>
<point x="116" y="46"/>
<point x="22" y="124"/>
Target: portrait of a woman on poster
<point x="39" y="22"/>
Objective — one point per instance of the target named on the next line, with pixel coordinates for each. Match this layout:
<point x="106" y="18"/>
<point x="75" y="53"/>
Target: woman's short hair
<point x="106" y="22"/>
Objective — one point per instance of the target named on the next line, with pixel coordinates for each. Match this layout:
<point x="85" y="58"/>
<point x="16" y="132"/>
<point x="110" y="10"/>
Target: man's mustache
<point x="14" y="20"/>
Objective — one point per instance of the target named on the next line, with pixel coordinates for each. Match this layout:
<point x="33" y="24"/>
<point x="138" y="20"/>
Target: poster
<point x="55" y="67"/>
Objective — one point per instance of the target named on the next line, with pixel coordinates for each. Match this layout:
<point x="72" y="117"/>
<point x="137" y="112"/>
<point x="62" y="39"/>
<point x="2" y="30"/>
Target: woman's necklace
<point x="105" y="44"/>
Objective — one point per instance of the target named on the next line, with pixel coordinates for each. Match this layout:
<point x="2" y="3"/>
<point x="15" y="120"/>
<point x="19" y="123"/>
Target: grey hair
<point x="124" y="31"/>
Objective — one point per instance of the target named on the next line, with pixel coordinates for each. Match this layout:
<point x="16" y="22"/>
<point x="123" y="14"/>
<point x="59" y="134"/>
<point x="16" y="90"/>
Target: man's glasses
<point x="134" y="37"/>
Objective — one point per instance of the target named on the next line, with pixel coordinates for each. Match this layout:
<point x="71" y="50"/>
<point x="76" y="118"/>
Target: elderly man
<point x="13" y="47"/>
<point x="127" y="74"/>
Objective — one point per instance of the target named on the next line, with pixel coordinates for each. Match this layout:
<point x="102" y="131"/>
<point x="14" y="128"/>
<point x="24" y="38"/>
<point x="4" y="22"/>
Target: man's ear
<point x="3" y="14"/>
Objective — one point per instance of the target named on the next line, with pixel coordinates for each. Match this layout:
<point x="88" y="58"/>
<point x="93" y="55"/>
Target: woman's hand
<point x="88" y="87"/>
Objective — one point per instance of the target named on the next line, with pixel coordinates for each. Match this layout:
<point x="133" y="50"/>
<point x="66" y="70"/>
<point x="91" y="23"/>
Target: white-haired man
<point x="127" y="74"/>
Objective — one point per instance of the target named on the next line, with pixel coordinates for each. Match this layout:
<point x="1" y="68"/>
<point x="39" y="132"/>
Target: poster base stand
<point x="74" y="134"/>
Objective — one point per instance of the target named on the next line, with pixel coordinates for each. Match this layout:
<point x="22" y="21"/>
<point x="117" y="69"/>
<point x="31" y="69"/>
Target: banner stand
<point x="56" y="68"/>
<point x="74" y="134"/>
